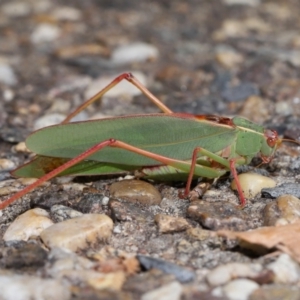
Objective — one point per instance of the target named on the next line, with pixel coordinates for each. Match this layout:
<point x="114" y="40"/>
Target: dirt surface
<point x="199" y="57"/>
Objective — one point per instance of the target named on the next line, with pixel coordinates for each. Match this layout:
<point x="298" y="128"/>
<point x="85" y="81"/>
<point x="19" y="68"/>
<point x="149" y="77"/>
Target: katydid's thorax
<point x="253" y="139"/>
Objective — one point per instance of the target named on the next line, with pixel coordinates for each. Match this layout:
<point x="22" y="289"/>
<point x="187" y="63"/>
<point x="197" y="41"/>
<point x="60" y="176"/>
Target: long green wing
<point x="174" y="136"/>
<point x="42" y="165"/>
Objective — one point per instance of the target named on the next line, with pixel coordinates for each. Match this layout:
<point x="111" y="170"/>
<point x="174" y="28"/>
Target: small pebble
<point x="218" y="215"/>
<point x="242" y="2"/>
<point x="135" y="191"/>
<point x="169" y="224"/>
<point x="285" y="210"/>
<point x="60" y="213"/>
<point x="275" y="292"/>
<point x="24" y="287"/>
<point x="135" y="52"/>
<point x="66" y="13"/>
<point x="253" y="183"/>
<point x="21" y="147"/>
<point x="228" y="57"/>
<point x="78" y="233"/>
<point x="45" y="33"/>
<point x="239" y="289"/>
<point x="6" y="165"/>
<point x="171" y="291"/>
<point x="48" y="120"/>
<point x="224" y="273"/>
<point x="16" y="9"/>
<point x="31" y="223"/>
<point x="182" y="274"/>
<point x="286" y="270"/>
<point x="283" y="189"/>
<point x="7" y="75"/>
<point x="121" y="89"/>
<point x="240" y="92"/>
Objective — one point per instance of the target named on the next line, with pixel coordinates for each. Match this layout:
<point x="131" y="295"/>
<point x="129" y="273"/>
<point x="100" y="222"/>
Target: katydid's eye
<point x="271" y="137"/>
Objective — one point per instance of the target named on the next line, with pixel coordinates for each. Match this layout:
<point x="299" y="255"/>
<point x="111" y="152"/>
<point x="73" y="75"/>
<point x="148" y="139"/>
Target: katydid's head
<point x="270" y="143"/>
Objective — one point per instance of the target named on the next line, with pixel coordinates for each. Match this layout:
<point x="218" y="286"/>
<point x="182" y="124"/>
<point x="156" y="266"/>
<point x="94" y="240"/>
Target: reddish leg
<point x="238" y="184"/>
<point x="183" y="165"/>
<point x="130" y="78"/>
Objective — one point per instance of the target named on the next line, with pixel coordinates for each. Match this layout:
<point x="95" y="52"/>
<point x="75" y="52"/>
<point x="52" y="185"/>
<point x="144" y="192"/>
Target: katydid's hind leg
<point x="181" y="165"/>
<point x="130" y="78"/>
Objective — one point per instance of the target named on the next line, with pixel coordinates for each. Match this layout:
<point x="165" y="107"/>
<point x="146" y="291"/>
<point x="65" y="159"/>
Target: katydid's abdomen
<point x="174" y="136"/>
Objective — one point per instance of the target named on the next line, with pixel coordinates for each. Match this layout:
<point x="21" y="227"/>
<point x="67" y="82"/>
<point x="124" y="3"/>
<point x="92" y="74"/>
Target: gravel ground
<point x="115" y="237"/>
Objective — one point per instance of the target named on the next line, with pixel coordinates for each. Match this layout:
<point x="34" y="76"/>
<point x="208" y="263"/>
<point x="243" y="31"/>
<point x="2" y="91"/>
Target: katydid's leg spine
<point x="130" y="78"/>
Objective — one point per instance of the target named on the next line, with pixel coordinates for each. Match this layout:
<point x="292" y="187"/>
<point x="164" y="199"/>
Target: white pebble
<point x="78" y="233"/>
<point x="135" y="52"/>
<point x="66" y="13"/>
<point x="16" y="9"/>
<point x="48" y="120"/>
<point x="253" y="183"/>
<point x="45" y="33"/>
<point x="171" y="291"/>
<point x="286" y="270"/>
<point x="8" y="95"/>
<point x="122" y="88"/>
<point x="24" y="287"/>
<point x="30" y="223"/>
<point x="242" y="2"/>
<point x="6" y="165"/>
<point x="7" y="75"/>
<point x="239" y="289"/>
<point x="224" y="273"/>
<point x="105" y="200"/>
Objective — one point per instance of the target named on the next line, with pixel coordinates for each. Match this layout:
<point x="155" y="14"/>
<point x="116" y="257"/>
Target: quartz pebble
<point x="135" y="52"/>
<point x="224" y="273"/>
<point x="31" y="223"/>
<point x="171" y="291"/>
<point x="6" y="165"/>
<point x="16" y="9"/>
<point x="48" y="120"/>
<point x="286" y="270"/>
<point x="253" y="183"/>
<point x="45" y="33"/>
<point x="66" y="13"/>
<point x="24" y="287"/>
<point x="135" y="191"/>
<point x="239" y="289"/>
<point x="78" y="233"/>
<point x="242" y="2"/>
<point x="7" y="75"/>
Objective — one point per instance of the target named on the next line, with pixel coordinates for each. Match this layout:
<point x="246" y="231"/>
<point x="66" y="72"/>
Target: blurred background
<point x="204" y="57"/>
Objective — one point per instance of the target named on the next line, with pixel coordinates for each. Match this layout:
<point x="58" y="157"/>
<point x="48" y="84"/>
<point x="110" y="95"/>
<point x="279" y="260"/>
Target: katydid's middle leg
<point x="229" y="164"/>
<point x="130" y="78"/>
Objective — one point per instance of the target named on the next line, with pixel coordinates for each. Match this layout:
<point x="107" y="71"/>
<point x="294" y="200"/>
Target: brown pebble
<point x="136" y="191"/>
<point x="218" y="215"/>
<point x="168" y="224"/>
<point x="78" y="233"/>
<point x="285" y="210"/>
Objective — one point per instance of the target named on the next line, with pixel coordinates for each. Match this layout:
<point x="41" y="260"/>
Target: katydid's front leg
<point x="229" y="164"/>
<point x="130" y="78"/>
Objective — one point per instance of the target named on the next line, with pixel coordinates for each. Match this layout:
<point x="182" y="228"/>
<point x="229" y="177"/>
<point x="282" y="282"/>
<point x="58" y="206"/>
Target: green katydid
<point x="160" y="145"/>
